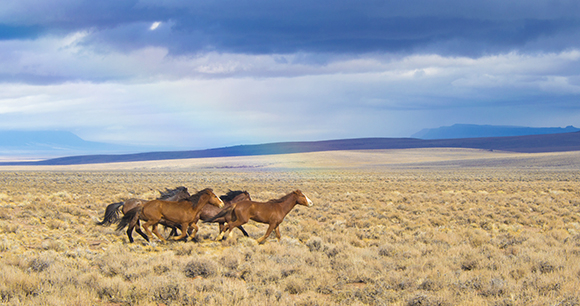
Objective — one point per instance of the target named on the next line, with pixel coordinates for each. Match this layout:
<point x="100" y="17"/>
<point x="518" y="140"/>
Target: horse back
<point x="132" y="203"/>
<point x="257" y="211"/>
<point x="177" y="212"/>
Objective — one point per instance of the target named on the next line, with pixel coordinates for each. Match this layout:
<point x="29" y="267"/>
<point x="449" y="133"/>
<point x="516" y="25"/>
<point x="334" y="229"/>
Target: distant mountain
<point x="527" y="144"/>
<point x="475" y="131"/>
<point x="54" y="143"/>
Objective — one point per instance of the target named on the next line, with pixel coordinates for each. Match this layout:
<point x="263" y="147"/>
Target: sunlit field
<point x="488" y="232"/>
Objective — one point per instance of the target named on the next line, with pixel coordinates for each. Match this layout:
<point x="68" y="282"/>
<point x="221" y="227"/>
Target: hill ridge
<point x="522" y="144"/>
<point x="473" y="130"/>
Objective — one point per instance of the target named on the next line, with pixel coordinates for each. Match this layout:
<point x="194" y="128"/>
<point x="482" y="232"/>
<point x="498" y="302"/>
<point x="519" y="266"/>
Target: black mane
<point x="171" y="192"/>
<point x="194" y="199"/>
<point x="231" y="195"/>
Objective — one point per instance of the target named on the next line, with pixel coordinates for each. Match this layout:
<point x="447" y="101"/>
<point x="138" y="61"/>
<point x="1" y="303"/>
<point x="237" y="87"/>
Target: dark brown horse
<point x="112" y="210"/>
<point x="210" y="211"/>
<point x="182" y="213"/>
<point x="271" y="212"/>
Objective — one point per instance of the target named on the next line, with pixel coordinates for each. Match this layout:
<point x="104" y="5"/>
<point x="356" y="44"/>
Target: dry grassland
<point x="417" y="235"/>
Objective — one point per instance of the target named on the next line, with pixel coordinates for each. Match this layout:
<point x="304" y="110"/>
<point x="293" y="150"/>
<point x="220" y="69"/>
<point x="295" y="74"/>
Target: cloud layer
<point x="199" y="74"/>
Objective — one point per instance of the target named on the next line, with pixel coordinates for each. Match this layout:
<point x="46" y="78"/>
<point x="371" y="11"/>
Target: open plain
<point x="392" y="227"/>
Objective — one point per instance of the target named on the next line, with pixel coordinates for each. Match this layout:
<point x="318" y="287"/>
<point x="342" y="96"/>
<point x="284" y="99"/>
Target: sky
<point x="213" y="73"/>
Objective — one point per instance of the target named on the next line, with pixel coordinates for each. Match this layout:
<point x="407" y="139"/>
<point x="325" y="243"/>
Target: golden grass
<point x="425" y="234"/>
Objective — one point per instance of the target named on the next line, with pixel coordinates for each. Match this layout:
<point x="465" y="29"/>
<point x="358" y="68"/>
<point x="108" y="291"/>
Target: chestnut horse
<point x="271" y="212"/>
<point x="112" y="210"/>
<point x="210" y="211"/>
<point x="182" y="213"/>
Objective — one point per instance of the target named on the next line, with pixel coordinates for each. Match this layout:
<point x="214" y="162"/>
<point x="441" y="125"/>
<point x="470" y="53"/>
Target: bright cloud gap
<point x="155" y="25"/>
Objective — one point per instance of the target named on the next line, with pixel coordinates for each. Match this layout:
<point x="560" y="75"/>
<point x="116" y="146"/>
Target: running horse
<point x="271" y="213"/>
<point x="209" y="211"/>
<point x="112" y="210"/>
<point x="184" y="213"/>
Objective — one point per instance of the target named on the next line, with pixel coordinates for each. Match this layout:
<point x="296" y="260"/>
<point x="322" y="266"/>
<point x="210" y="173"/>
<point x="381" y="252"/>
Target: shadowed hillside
<point x="523" y="144"/>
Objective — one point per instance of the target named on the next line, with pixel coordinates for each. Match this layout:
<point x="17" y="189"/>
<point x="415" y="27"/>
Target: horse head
<point x="244" y="196"/>
<point x="213" y="199"/>
<point x="302" y="199"/>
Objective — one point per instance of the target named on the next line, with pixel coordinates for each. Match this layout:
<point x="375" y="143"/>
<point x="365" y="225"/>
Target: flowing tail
<point x="111" y="214"/>
<point x="222" y="213"/>
<point x="130" y="218"/>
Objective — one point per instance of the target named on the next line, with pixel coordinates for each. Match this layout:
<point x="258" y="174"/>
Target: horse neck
<point x="239" y="198"/>
<point x="288" y="204"/>
<point x="199" y="205"/>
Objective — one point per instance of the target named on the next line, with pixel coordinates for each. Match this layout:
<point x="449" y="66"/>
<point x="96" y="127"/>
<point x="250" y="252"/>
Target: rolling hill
<point x="474" y="130"/>
<point x="523" y="144"/>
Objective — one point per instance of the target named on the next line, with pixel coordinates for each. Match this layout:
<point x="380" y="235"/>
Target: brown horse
<point x="210" y="211"/>
<point x="271" y="212"/>
<point x="182" y="213"/>
<point x="112" y="210"/>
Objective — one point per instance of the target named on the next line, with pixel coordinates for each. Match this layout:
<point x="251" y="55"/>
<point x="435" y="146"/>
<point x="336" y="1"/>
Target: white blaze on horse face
<point x="308" y="201"/>
<point x="220" y="203"/>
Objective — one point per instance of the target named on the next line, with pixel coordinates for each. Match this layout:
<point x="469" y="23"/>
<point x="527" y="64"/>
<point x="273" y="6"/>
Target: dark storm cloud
<point x="345" y="69"/>
<point x="19" y="32"/>
<point x="355" y="28"/>
<point x="263" y="27"/>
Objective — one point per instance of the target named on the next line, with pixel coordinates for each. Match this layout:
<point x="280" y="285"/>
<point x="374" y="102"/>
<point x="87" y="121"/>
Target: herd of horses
<point x="180" y="211"/>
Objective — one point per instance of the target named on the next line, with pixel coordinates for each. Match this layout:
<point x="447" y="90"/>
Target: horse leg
<point x="137" y="227"/>
<point x="194" y="234"/>
<point x="278" y="232"/>
<point x="130" y="234"/>
<point x="220" y="236"/>
<point x="130" y="228"/>
<point x="268" y="232"/>
<point x="184" y="230"/>
<point x="173" y="232"/>
<point x="157" y="233"/>
<point x="227" y="229"/>
<point x="147" y="230"/>
<point x="238" y="221"/>
<point x="243" y="231"/>
<point x="140" y="232"/>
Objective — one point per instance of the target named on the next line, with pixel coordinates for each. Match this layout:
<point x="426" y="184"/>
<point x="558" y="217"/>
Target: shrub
<point x="201" y="267"/>
<point x="314" y="244"/>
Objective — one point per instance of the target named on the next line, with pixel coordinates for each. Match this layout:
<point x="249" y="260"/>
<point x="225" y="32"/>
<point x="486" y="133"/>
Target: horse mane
<point x="194" y="199"/>
<point x="280" y="200"/>
<point x="171" y="192"/>
<point x="231" y="195"/>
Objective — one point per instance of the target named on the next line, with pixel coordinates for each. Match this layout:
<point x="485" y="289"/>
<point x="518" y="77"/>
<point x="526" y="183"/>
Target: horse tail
<point x="111" y="213"/>
<point x="222" y="213"/>
<point x="131" y="217"/>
